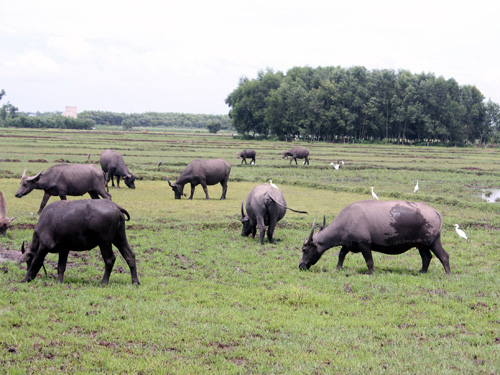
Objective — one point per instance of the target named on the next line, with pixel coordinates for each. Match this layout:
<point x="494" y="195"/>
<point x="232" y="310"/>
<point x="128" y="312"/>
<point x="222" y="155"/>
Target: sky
<point x="187" y="56"/>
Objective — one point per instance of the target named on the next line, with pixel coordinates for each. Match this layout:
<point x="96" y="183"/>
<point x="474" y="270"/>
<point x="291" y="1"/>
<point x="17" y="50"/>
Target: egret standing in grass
<point x="273" y="185"/>
<point x="460" y="232"/>
<point x="336" y="166"/>
<point x="416" y="188"/>
<point x="374" y="195"/>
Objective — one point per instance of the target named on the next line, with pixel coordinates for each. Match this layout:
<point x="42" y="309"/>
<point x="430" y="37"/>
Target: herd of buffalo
<point x="390" y="227"/>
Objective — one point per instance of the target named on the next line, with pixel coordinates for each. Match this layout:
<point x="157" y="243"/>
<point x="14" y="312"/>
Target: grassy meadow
<point x="212" y="301"/>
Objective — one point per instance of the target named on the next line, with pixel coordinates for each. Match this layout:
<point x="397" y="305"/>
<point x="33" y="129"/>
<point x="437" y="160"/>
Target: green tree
<point x="127" y="124"/>
<point x="214" y="126"/>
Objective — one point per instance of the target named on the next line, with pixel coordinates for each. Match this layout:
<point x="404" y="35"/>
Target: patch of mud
<point x="10" y="255"/>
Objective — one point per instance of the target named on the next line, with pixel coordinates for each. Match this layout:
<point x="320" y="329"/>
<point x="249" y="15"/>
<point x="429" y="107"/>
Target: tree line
<point x="355" y="104"/>
<point x="156" y="119"/>
<point x="11" y="117"/>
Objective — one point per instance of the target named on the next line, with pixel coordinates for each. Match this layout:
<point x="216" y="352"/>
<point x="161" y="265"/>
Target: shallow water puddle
<point x="490" y="195"/>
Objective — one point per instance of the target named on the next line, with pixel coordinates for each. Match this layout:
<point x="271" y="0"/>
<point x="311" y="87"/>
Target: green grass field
<point x="212" y="301"/>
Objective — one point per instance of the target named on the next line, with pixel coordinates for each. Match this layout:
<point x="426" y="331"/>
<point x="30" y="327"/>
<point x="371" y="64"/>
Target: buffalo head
<point x="286" y="154"/>
<point x="178" y="189"/>
<point x="245" y="220"/>
<point x="310" y="252"/>
<point x="129" y="179"/>
<point x="27" y="184"/>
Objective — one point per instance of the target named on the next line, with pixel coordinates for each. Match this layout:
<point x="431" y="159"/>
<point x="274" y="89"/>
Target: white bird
<point x="416" y="187"/>
<point x="342" y="162"/>
<point x="273" y="185"/>
<point x="374" y="195"/>
<point x="460" y="232"/>
<point x="336" y="166"/>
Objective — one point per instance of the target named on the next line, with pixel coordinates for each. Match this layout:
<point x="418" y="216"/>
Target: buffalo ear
<point x="309" y="239"/>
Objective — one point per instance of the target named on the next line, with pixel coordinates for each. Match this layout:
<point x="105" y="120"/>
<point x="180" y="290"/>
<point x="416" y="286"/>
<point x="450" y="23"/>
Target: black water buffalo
<point x="265" y="206"/>
<point x="66" y="179"/>
<point x="4" y="220"/>
<point x="389" y="227"/>
<point x="79" y="225"/>
<point x="247" y="154"/>
<point x="204" y="172"/>
<point x="112" y="164"/>
<point x="297" y="153"/>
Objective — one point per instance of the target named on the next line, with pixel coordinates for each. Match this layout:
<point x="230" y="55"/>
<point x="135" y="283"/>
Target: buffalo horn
<point x="34" y="178"/>
<point x="323" y="225"/>
<point x="169" y="182"/>
<point x="309" y="239"/>
<point x="24" y="173"/>
<point x="242" y="213"/>
<point x="3" y="208"/>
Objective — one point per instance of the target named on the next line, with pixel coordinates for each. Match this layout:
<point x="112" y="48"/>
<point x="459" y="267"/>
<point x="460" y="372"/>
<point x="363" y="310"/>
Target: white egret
<point x="273" y="185"/>
<point x="374" y="195"/>
<point x="416" y="187"/>
<point x="336" y="166"/>
<point x="460" y="232"/>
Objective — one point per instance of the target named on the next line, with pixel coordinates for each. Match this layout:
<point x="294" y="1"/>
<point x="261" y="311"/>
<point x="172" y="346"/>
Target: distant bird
<point x="460" y="232"/>
<point x="374" y="195"/>
<point x="336" y="166"/>
<point x="342" y="162"/>
<point x="273" y="185"/>
<point x="416" y="188"/>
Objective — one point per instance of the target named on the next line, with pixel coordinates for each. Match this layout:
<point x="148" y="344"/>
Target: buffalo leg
<point x="192" y="192"/>
<point x="205" y="189"/>
<point x="441" y="254"/>
<point x="262" y="229"/>
<point x="224" y="189"/>
<point x="270" y="230"/>
<point x="118" y="181"/>
<point x="307" y="160"/>
<point x="61" y="265"/>
<point x="128" y="254"/>
<point x="112" y="180"/>
<point x="254" y="230"/>
<point x="93" y="195"/>
<point x="45" y="199"/>
<point x="109" y="260"/>
<point x="367" y="254"/>
<point x="343" y="252"/>
<point x="426" y="255"/>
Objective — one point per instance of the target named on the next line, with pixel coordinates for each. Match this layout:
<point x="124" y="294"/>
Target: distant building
<point x="70" y="111"/>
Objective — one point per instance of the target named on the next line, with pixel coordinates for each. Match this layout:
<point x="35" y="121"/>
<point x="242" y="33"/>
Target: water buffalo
<point x="297" y="153"/>
<point x="4" y="220"/>
<point x="389" y="227"/>
<point x="79" y="225"/>
<point x="247" y="154"/>
<point x="204" y="172"/>
<point x="265" y="207"/>
<point x="112" y="164"/>
<point x="65" y="179"/>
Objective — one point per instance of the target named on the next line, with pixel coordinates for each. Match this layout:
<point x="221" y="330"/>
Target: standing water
<point x="490" y="195"/>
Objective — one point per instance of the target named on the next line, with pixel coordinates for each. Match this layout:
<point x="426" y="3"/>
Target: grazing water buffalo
<point x="265" y="207"/>
<point x="65" y="179"/>
<point x="247" y="154"/>
<point x="297" y="153"/>
<point x="4" y="220"/>
<point x="389" y="227"/>
<point x="112" y="164"/>
<point x="204" y="172"/>
<point x="79" y="225"/>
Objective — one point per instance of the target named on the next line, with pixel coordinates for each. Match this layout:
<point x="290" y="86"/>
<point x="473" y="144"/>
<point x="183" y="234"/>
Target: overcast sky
<point x="188" y="55"/>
